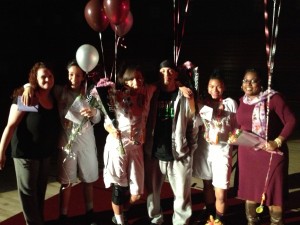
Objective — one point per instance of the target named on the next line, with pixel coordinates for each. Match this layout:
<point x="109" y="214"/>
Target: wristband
<point x="278" y="142"/>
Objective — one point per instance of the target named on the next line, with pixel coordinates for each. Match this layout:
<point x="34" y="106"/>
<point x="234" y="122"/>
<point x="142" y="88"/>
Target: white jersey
<point x="213" y="157"/>
<point x="131" y="114"/>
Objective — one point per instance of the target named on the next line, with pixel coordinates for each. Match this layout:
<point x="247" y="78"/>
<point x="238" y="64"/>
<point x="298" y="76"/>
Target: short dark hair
<point x="168" y="63"/>
<point x="71" y="63"/>
<point x="218" y="75"/>
<point x="127" y="71"/>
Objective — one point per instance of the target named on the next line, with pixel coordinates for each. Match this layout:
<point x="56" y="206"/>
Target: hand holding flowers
<point x="243" y="137"/>
<point x="88" y="112"/>
<point x="79" y="113"/>
<point x="106" y="93"/>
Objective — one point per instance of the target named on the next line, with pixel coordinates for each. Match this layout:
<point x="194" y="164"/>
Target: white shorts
<point x="213" y="162"/>
<point x="83" y="164"/>
<point x="124" y="170"/>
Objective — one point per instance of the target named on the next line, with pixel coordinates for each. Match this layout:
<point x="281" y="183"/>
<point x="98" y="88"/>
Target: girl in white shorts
<point x="82" y="163"/>
<point x="124" y="165"/>
<point x="213" y="158"/>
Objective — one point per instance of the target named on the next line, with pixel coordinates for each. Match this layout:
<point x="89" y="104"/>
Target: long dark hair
<point x="32" y="78"/>
<point x="83" y="84"/>
<point x="127" y="72"/>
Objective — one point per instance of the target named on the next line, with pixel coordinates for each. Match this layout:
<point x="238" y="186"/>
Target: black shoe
<point x="63" y="219"/>
<point x="201" y="220"/>
<point x="90" y="217"/>
<point x="125" y="217"/>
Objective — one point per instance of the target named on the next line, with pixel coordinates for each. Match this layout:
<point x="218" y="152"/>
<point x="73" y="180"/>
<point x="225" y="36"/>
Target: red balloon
<point x="124" y="27"/>
<point x="95" y="15"/>
<point x="116" y="10"/>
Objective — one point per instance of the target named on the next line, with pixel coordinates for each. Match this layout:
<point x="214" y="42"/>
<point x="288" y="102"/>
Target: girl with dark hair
<point x="124" y="171"/>
<point x="213" y="159"/>
<point x="33" y="137"/>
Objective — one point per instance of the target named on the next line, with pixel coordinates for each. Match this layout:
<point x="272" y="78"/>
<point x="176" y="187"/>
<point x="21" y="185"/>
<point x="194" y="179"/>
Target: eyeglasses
<point x="253" y="81"/>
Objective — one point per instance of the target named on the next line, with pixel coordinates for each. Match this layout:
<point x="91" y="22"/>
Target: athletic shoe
<point x="114" y="220"/>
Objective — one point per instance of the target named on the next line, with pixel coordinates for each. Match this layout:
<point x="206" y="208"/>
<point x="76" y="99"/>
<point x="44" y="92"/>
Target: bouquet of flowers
<point x="243" y="137"/>
<point x="106" y="91"/>
<point x="233" y="136"/>
<point x="107" y="94"/>
<point x="78" y="120"/>
<point x="246" y="138"/>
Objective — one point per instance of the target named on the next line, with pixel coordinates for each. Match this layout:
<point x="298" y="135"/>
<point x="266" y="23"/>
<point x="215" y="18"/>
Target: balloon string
<point x="271" y="54"/>
<point x="85" y="86"/>
<point x="266" y="180"/>
<point x="274" y="35"/>
<point x="182" y="31"/>
<point x="266" y="29"/>
<point x="102" y="53"/>
<point x="177" y="32"/>
<point x="267" y="33"/>
<point x="177" y="15"/>
<point x="116" y="54"/>
<point x="114" y="67"/>
<point x="178" y="36"/>
<point x="174" y="30"/>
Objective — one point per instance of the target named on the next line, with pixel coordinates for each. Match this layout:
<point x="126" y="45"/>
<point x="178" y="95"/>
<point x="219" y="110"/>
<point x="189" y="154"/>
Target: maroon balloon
<point x="124" y="27"/>
<point x="116" y="10"/>
<point x="95" y="15"/>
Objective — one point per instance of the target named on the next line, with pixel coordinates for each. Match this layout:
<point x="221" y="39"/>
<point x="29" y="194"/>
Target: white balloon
<point x="87" y="57"/>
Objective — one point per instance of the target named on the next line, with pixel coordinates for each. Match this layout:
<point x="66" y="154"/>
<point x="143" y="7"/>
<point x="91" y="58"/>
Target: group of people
<point x="38" y="136"/>
<point x="160" y="131"/>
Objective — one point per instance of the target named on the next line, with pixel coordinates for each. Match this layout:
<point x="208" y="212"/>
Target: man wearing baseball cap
<point x="170" y="142"/>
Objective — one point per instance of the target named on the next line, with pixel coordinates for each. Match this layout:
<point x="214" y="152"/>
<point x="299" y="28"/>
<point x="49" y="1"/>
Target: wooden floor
<point x="9" y="201"/>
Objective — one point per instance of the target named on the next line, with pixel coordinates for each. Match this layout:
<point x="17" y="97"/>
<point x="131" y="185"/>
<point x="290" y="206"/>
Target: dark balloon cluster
<point x="100" y="13"/>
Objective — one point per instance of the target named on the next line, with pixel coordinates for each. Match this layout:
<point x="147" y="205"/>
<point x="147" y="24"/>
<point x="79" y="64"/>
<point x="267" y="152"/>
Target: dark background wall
<point x="228" y="34"/>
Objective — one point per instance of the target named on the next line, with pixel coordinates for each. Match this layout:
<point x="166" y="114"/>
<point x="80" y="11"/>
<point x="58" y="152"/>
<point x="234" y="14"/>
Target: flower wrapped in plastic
<point x="243" y="137"/>
<point x="106" y="92"/>
<point x="107" y="97"/>
<point x="78" y="121"/>
<point x="249" y="139"/>
<point x="233" y="136"/>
